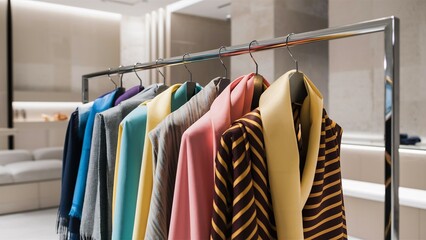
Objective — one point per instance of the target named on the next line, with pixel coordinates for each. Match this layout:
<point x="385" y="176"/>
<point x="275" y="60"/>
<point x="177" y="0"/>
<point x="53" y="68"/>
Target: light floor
<point x="35" y="225"/>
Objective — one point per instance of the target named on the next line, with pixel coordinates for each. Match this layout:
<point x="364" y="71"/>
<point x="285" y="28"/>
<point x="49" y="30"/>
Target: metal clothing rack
<point x="389" y="26"/>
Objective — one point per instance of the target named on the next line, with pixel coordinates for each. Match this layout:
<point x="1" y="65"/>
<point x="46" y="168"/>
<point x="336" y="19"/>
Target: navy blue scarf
<point x="71" y="160"/>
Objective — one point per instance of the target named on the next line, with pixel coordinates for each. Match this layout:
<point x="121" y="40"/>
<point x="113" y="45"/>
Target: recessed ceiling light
<point x="224" y="5"/>
<point x="126" y="2"/>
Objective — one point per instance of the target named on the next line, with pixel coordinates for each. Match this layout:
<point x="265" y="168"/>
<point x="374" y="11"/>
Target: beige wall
<point x="54" y="46"/>
<point x="253" y="20"/>
<point x="357" y="101"/>
<point x="162" y="34"/>
<point x="365" y="218"/>
<point x="266" y="19"/>
<point x="143" y="40"/>
<point x="194" y="34"/>
<point x="296" y="16"/>
<point x="356" y="67"/>
<point x="3" y="73"/>
<point x="134" y="47"/>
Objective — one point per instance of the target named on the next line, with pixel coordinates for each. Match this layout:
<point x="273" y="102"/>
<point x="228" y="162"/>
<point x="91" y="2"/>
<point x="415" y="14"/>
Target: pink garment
<point x="193" y="195"/>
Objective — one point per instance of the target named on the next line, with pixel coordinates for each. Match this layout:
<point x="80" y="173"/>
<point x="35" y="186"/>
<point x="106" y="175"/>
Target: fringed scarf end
<point x="86" y="237"/>
<point x="62" y="227"/>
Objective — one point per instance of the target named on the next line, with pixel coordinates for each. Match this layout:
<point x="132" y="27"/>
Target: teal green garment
<point x="181" y="96"/>
<point x="130" y="161"/>
<point x="129" y="164"/>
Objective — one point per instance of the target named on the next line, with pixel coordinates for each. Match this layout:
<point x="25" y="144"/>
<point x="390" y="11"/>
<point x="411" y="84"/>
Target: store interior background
<point x="56" y="42"/>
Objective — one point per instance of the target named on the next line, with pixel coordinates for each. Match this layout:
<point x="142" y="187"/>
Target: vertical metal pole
<point x="11" y="142"/>
<point x="391" y="67"/>
<point x="85" y="89"/>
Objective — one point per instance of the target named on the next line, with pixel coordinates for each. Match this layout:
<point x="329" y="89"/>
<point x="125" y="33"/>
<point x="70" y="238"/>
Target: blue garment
<point x="101" y="104"/>
<point x="388" y="89"/>
<point x="71" y="159"/>
<point x="66" y="225"/>
<point x="409" y="140"/>
<point x="83" y="115"/>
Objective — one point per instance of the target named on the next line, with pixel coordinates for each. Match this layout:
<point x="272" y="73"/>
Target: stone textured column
<point x="252" y="20"/>
<point x="358" y="63"/>
<point x="264" y="19"/>
<point x="295" y="16"/>
<point x="191" y="34"/>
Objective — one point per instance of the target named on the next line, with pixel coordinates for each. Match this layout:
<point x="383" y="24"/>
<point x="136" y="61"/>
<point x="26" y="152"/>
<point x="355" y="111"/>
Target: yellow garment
<point x="158" y="109"/>
<point x="117" y="159"/>
<point x="290" y="192"/>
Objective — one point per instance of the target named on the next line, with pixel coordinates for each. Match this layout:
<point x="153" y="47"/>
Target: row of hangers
<point x="298" y="90"/>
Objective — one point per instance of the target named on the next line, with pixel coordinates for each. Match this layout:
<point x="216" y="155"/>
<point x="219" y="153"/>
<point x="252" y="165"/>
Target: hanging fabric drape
<point x="166" y="139"/>
<point x="98" y="196"/>
<point x="236" y="171"/>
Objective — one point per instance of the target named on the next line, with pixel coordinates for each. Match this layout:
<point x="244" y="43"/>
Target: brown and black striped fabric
<point x="242" y="199"/>
<point x="324" y="212"/>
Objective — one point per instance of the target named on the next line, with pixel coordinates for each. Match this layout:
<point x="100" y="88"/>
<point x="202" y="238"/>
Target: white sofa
<point x="30" y="180"/>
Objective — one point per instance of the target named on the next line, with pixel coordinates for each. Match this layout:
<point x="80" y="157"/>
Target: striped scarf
<point x="242" y="199"/>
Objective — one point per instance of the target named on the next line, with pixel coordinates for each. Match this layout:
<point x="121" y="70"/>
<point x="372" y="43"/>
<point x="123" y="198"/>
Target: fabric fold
<point x="165" y="140"/>
<point x="126" y="178"/>
<point x="96" y="221"/>
<point x="157" y="110"/>
<point x="242" y="199"/>
<point x="71" y="159"/>
<point x="99" y="105"/>
<point x="283" y="153"/>
<point x="194" y="187"/>
<point x="128" y="94"/>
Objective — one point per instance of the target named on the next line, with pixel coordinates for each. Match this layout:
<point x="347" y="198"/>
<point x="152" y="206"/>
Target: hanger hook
<point x="223" y="64"/>
<point x="134" y="70"/>
<point x="184" y="64"/>
<point x="109" y="76"/>
<point x="158" y="70"/>
<point x="121" y="76"/>
<point x="289" y="52"/>
<point x="257" y="66"/>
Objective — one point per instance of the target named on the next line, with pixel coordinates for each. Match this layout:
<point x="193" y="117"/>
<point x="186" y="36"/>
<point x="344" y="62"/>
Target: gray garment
<point x="97" y="211"/>
<point x="166" y="139"/>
